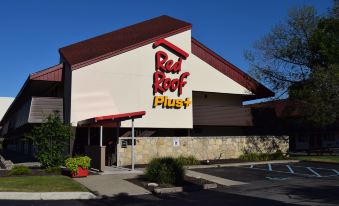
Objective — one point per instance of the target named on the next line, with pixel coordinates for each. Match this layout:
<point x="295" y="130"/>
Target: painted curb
<point x="46" y="196"/>
<point x="209" y="186"/>
<point x="168" y="190"/>
<point x="241" y="164"/>
<point x="215" y="179"/>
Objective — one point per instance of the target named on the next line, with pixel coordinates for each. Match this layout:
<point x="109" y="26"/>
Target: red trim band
<point x="119" y="116"/>
<point x="171" y="46"/>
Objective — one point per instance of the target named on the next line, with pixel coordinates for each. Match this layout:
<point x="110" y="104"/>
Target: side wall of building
<point x="203" y="148"/>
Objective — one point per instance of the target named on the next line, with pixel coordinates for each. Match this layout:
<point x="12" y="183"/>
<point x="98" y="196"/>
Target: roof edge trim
<point x="126" y="49"/>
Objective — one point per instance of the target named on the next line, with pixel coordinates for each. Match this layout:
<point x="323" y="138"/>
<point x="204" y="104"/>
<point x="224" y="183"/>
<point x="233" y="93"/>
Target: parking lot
<point x="303" y="183"/>
<point x="308" y="170"/>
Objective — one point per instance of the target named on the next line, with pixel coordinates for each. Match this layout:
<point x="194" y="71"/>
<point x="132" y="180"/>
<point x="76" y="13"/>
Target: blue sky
<point x="31" y="32"/>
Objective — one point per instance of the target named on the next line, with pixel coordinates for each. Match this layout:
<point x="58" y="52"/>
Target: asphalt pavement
<point x="275" y="184"/>
<point x="302" y="183"/>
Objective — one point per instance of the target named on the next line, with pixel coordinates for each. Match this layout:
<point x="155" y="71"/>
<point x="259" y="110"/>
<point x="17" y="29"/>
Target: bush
<point x="20" y="170"/>
<point x="189" y="160"/>
<point x="165" y="170"/>
<point x="72" y="163"/>
<point x="278" y="155"/>
<point x="50" y="140"/>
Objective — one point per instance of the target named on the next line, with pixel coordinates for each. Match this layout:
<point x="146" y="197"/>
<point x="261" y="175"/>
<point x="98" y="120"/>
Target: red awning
<point x="111" y="120"/>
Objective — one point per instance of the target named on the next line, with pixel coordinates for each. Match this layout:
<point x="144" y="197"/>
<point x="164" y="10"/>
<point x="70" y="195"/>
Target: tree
<point x="50" y="140"/>
<point x="299" y="59"/>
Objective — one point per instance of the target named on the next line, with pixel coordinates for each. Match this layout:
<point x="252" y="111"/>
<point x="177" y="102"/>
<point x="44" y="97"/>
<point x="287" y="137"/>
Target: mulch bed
<point x="189" y="183"/>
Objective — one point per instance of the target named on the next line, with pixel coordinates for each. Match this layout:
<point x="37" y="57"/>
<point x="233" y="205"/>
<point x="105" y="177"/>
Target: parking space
<point x="302" y="183"/>
<point x="257" y="172"/>
<point x="308" y="170"/>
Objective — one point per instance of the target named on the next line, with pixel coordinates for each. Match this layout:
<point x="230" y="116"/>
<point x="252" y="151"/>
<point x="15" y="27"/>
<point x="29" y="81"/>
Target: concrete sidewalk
<point x="46" y="195"/>
<point x="112" y="185"/>
<point x="211" y="178"/>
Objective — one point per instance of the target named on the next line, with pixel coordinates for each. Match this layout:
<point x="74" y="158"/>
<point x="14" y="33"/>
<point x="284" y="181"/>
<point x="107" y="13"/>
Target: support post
<point x="88" y="136"/>
<point x="101" y="128"/>
<point x="118" y="146"/>
<point x="132" y="146"/>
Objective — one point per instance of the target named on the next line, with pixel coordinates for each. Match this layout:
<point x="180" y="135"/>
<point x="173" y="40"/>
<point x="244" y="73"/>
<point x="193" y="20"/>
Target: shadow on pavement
<point x="204" y="197"/>
<point x="327" y="194"/>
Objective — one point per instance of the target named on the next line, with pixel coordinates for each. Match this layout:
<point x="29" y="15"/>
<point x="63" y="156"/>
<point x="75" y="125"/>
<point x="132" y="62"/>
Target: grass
<point x="325" y="158"/>
<point x="55" y="183"/>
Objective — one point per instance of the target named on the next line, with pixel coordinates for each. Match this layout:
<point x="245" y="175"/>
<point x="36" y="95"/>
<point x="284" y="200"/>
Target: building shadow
<point x="327" y="194"/>
<point x="202" y="197"/>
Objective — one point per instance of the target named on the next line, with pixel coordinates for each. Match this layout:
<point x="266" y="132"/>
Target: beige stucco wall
<point x="203" y="148"/>
<point x="5" y="102"/>
<point x="123" y="84"/>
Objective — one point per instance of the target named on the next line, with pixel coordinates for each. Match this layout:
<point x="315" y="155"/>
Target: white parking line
<point x="287" y="172"/>
<point x="335" y="171"/>
<point x="269" y="167"/>
<point x="314" y="172"/>
<point x="290" y="169"/>
<point x="313" y="167"/>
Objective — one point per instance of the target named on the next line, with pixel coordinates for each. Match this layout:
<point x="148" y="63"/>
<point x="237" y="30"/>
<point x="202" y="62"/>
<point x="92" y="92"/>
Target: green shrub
<point x="50" y="140"/>
<point x="278" y="155"/>
<point x="72" y="163"/>
<point x="189" y="160"/>
<point x="165" y="170"/>
<point x="19" y="170"/>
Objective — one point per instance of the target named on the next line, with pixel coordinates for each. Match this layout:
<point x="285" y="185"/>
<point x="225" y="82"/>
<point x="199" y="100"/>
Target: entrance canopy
<point x="110" y="120"/>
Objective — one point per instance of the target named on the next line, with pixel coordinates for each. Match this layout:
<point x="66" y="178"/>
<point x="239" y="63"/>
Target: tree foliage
<point x="50" y="140"/>
<point x="299" y="58"/>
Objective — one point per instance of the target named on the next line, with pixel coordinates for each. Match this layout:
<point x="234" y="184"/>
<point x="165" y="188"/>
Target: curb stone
<point x="241" y="164"/>
<point x="168" y="190"/>
<point x="46" y="195"/>
<point x="215" y="179"/>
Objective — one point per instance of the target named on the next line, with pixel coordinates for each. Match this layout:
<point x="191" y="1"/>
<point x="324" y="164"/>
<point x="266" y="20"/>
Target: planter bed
<point x="189" y="184"/>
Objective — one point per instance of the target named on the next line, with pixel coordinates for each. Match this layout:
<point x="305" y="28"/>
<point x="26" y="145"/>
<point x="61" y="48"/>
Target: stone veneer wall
<point x="203" y="148"/>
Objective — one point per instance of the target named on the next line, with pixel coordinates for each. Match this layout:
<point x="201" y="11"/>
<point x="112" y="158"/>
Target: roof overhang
<point x="110" y="120"/>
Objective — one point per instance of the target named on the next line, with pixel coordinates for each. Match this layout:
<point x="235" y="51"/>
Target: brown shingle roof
<point x="107" y="45"/>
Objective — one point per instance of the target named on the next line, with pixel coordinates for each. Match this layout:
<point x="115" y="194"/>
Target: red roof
<point x="230" y="70"/>
<point x="121" y="116"/>
<point x="111" y="119"/>
<point x="53" y="73"/>
<point x="104" y="46"/>
<point x="113" y="43"/>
